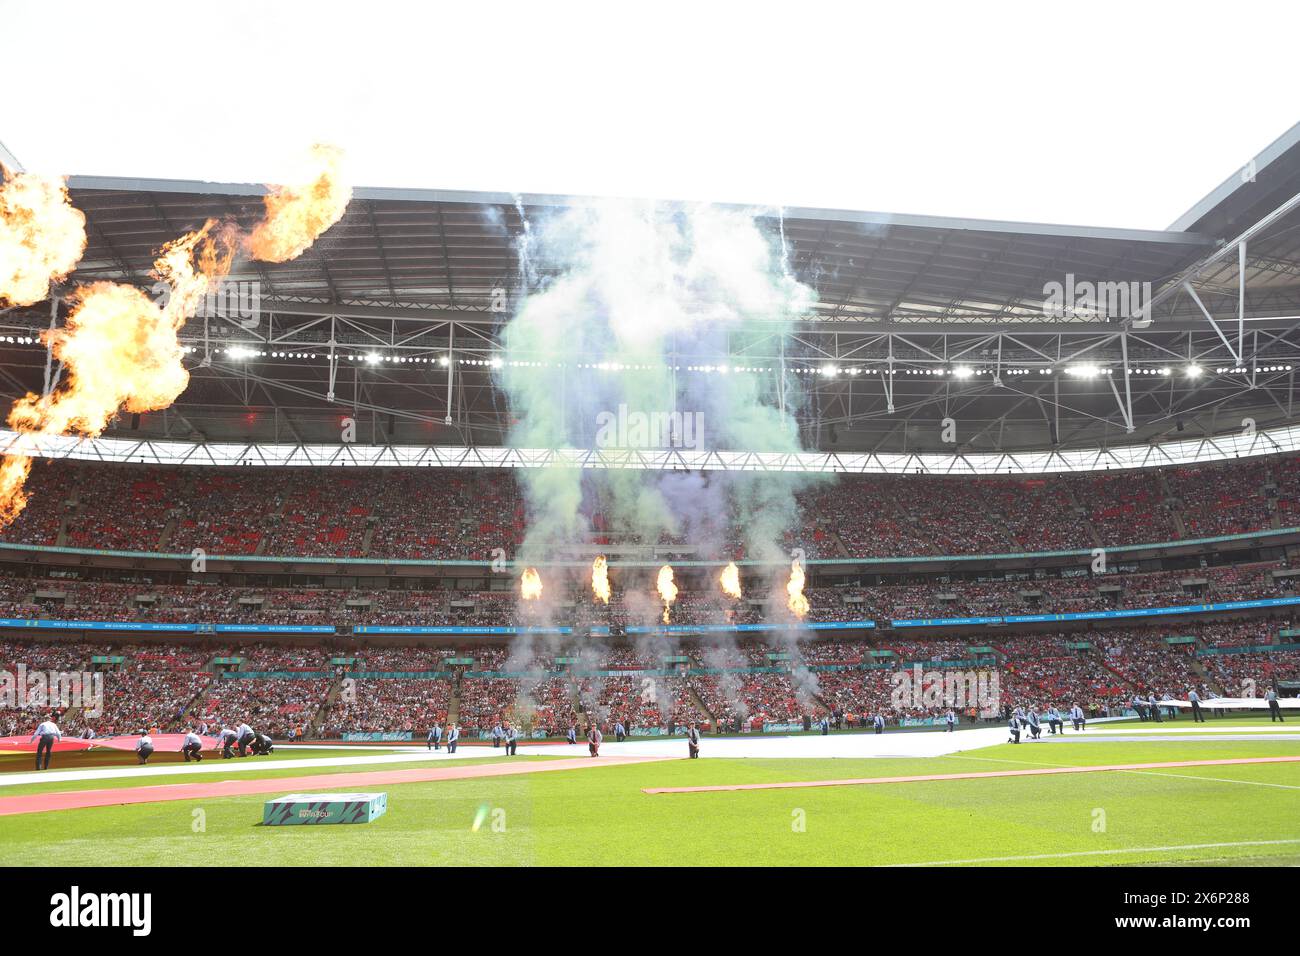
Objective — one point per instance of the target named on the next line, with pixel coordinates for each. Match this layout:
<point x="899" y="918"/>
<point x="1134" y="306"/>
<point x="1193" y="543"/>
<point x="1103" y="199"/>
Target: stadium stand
<point x="340" y="683"/>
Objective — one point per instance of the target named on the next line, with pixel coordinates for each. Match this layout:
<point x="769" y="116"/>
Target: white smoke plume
<point x="625" y="299"/>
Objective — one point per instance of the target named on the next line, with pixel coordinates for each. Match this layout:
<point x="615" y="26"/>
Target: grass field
<point x="599" y="816"/>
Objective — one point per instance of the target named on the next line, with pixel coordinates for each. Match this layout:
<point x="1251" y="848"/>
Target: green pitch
<point x="1229" y="814"/>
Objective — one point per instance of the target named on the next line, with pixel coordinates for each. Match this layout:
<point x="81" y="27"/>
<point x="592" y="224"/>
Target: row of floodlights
<point x="1078" y="370"/>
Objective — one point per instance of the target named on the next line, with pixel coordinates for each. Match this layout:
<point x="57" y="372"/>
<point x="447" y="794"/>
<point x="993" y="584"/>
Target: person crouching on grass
<point x="693" y="741"/>
<point x="144" y="747"/>
<point x="193" y="747"/>
<point x="227" y="739"/>
<point x="594" y="739"/>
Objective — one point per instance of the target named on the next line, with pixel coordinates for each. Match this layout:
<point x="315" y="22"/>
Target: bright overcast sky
<point x="1097" y="113"/>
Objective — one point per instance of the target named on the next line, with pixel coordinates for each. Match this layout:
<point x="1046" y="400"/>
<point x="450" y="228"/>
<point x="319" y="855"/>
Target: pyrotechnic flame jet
<point x="296" y="215"/>
<point x="530" y="585"/>
<point x="42" y="237"/>
<point x="796" y="602"/>
<point x="667" y="589"/>
<point x="600" y="579"/>
<point x="119" y="349"/>
<point x="730" y="580"/>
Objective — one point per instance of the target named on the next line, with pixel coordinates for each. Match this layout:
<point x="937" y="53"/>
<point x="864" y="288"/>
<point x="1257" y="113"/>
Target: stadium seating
<point x="465" y="514"/>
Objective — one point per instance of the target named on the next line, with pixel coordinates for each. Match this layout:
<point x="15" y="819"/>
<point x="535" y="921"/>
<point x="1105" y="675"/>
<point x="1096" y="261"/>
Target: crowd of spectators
<point x="436" y="514"/>
<point x="388" y="705"/>
<point x="729" y="682"/>
<point x="274" y="706"/>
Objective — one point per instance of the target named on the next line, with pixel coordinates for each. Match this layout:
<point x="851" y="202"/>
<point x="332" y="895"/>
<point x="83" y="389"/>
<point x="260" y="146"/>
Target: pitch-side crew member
<point x="227" y="738"/>
<point x="144" y="747"/>
<point x="693" y="741"/>
<point x="453" y="738"/>
<point x="1274" y="708"/>
<point x="512" y="739"/>
<point x="192" y="747"/>
<point x="246" y="738"/>
<point x="46" y="733"/>
<point x="1054" y="722"/>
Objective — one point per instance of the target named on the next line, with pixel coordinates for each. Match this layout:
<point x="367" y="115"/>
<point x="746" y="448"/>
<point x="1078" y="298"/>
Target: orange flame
<point x="667" y="589"/>
<point x="42" y="237"/>
<point x="297" y="215"/>
<point x="120" y="349"/>
<point x="530" y="585"/>
<point x="730" y="580"/>
<point x="600" y="578"/>
<point x="13" y="475"/>
<point x="796" y="602"/>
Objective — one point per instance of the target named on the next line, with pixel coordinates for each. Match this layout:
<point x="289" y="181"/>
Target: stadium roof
<point x="918" y="319"/>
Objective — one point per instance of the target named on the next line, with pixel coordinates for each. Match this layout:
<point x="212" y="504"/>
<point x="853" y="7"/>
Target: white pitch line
<point x="1082" y="853"/>
<point x="1198" y="729"/>
<point x="1191" y="776"/>
<point x="212" y="765"/>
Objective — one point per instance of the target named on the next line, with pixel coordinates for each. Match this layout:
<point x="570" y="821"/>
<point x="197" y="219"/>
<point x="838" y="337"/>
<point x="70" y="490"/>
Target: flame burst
<point x="42" y="237"/>
<point x="297" y="215"/>
<point x="796" y="602"/>
<point x="600" y="578"/>
<point x="118" y="348"/>
<point x="730" y="580"/>
<point x="13" y="475"/>
<point x="530" y="585"/>
<point x="667" y="589"/>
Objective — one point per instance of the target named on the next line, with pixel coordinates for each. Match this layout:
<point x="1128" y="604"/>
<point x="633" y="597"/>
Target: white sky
<point x="1096" y="113"/>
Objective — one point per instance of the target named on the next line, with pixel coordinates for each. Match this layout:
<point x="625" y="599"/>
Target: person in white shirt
<point x="1274" y="708"/>
<point x="453" y="737"/>
<point x="46" y="733"/>
<point x="594" y="738"/>
<point x="192" y="747"/>
<point x="246" y="738"/>
<point x="1076" y="717"/>
<point x="227" y="737"/>
<point x="512" y="739"/>
<point x="144" y="747"/>
<point x="1054" y="723"/>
